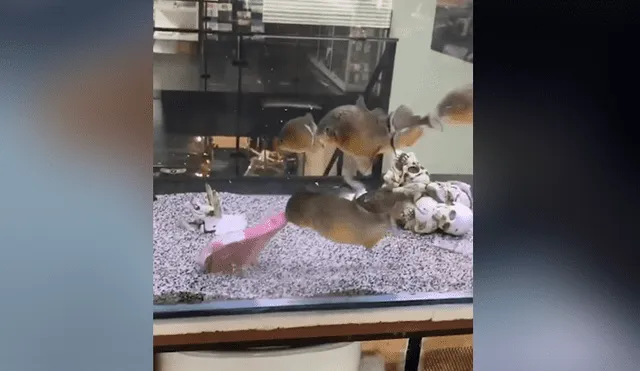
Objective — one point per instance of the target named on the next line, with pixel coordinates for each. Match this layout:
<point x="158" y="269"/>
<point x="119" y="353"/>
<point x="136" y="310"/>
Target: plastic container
<point x="328" y="357"/>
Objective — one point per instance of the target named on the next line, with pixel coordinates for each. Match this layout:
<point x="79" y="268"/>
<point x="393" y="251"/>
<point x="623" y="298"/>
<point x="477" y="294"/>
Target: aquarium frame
<point x="330" y="303"/>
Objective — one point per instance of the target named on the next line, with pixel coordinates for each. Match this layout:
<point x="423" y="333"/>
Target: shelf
<point x="175" y="36"/>
<point x="176" y="6"/>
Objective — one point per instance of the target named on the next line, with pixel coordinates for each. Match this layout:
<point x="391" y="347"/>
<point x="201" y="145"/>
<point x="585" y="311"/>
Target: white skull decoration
<point x="450" y="192"/>
<point x="437" y="205"/>
<point x="406" y="170"/>
<point x="425" y="215"/>
<point x="412" y="171"/>
<point x="407" y="216"/>
<point x="393" y="177"/>
<point x="454" y="219"/>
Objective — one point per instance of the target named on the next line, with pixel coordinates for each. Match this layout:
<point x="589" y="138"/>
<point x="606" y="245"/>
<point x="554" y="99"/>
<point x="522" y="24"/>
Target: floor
<point x="450" y="353"/>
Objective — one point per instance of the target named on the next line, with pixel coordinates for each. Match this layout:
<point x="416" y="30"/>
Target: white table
<point x="316" y="326"/>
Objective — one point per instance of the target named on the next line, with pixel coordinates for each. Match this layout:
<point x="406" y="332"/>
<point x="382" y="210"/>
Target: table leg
<point x="412" y="357"/>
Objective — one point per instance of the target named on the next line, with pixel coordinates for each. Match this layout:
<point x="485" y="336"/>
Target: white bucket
<point x="328" y="357"/>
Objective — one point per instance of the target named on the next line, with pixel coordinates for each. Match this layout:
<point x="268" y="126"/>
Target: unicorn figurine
<point x="209" y="218"/>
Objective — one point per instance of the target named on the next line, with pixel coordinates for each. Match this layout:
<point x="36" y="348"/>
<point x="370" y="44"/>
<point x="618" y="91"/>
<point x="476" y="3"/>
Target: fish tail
<point x="358" y="187"/>
<point x="393" y="224"/>
<point x="431" y="122"/>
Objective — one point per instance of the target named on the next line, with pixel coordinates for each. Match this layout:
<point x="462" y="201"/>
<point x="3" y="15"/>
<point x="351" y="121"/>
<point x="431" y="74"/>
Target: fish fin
<point x="357" y="186"/>
<point x="395" y="230"/>
<point x="429" y="121"/>
<point x="311" y="124"/>
<point x="381" y="114"/>
<point x="402" y="117"/>
<point x="309" y="117"/>
<point x="360" y="103"/>
<point x="360" y="208"/>
<point x="406" y="137"/>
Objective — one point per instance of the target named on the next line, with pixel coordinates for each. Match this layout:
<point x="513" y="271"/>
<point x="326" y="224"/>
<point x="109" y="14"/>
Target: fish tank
<point x="230" y="80"/>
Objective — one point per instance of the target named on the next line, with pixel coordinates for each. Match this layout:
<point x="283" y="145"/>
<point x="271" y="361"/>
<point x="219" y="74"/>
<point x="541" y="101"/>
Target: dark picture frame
<point x="453" y="29"/>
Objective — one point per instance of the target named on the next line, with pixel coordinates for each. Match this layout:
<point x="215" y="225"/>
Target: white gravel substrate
<point x="300" y="263"/>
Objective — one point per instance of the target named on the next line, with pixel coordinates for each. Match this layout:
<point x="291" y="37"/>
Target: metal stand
<point x="412" y="358"/>
<point x="336" y="154"/>
<point x="239" y="63"/>
<point x="202" y="40"/>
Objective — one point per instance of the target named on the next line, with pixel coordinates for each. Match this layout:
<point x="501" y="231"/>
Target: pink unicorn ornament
<point x="234" y="247"/>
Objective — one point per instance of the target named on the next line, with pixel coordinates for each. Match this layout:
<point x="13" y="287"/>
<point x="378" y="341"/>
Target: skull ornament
<point x="425" y="212"/>
<point x="393" y="177"/>
<point x="455" y="219"/>
<point x="406" y="170"/>
<point x="450" y="192"/>
<point x="413" y="172"/>
<point x="436" y="205"/>
<point x="407" y="216"/>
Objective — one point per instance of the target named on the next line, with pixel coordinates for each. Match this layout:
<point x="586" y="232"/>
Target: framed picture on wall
<point x="453" y="29"/>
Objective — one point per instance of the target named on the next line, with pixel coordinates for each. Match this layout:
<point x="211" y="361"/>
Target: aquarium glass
<point x="233" y="82"/>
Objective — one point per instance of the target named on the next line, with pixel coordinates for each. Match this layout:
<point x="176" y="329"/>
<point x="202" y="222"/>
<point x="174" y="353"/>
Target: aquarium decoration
<point x="445" y="206"/>
<point x="236" y="251"/>
<point x="266" y="163"/>
<point x="208" y="218"/>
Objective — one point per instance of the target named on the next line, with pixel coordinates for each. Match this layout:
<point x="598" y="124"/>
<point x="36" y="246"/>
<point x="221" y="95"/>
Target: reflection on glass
<point x="249" y="86"/>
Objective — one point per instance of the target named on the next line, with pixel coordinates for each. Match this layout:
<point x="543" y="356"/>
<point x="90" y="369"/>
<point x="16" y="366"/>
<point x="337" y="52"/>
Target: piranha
<point x="298" y="135"/>
<point x="457" y="104"/>
<point x="336" y="218"/>
<point x="360" y="221"/>
<point x="382" y="200"/>
<point x="364" y="134"/>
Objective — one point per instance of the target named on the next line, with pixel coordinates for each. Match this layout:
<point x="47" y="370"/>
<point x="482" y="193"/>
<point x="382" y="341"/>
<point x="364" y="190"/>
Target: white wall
<point x="422" y="77"/>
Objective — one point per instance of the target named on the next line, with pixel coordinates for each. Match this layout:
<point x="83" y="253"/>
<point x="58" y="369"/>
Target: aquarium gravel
<point x="298" y="262"/>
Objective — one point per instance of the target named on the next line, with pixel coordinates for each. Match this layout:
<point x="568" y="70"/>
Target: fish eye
<point x="413" y="169"/>
<point x="196" y="207"/>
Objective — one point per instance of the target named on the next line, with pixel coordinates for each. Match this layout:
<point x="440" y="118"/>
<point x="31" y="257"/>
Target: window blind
<point x="347" y="13"/>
